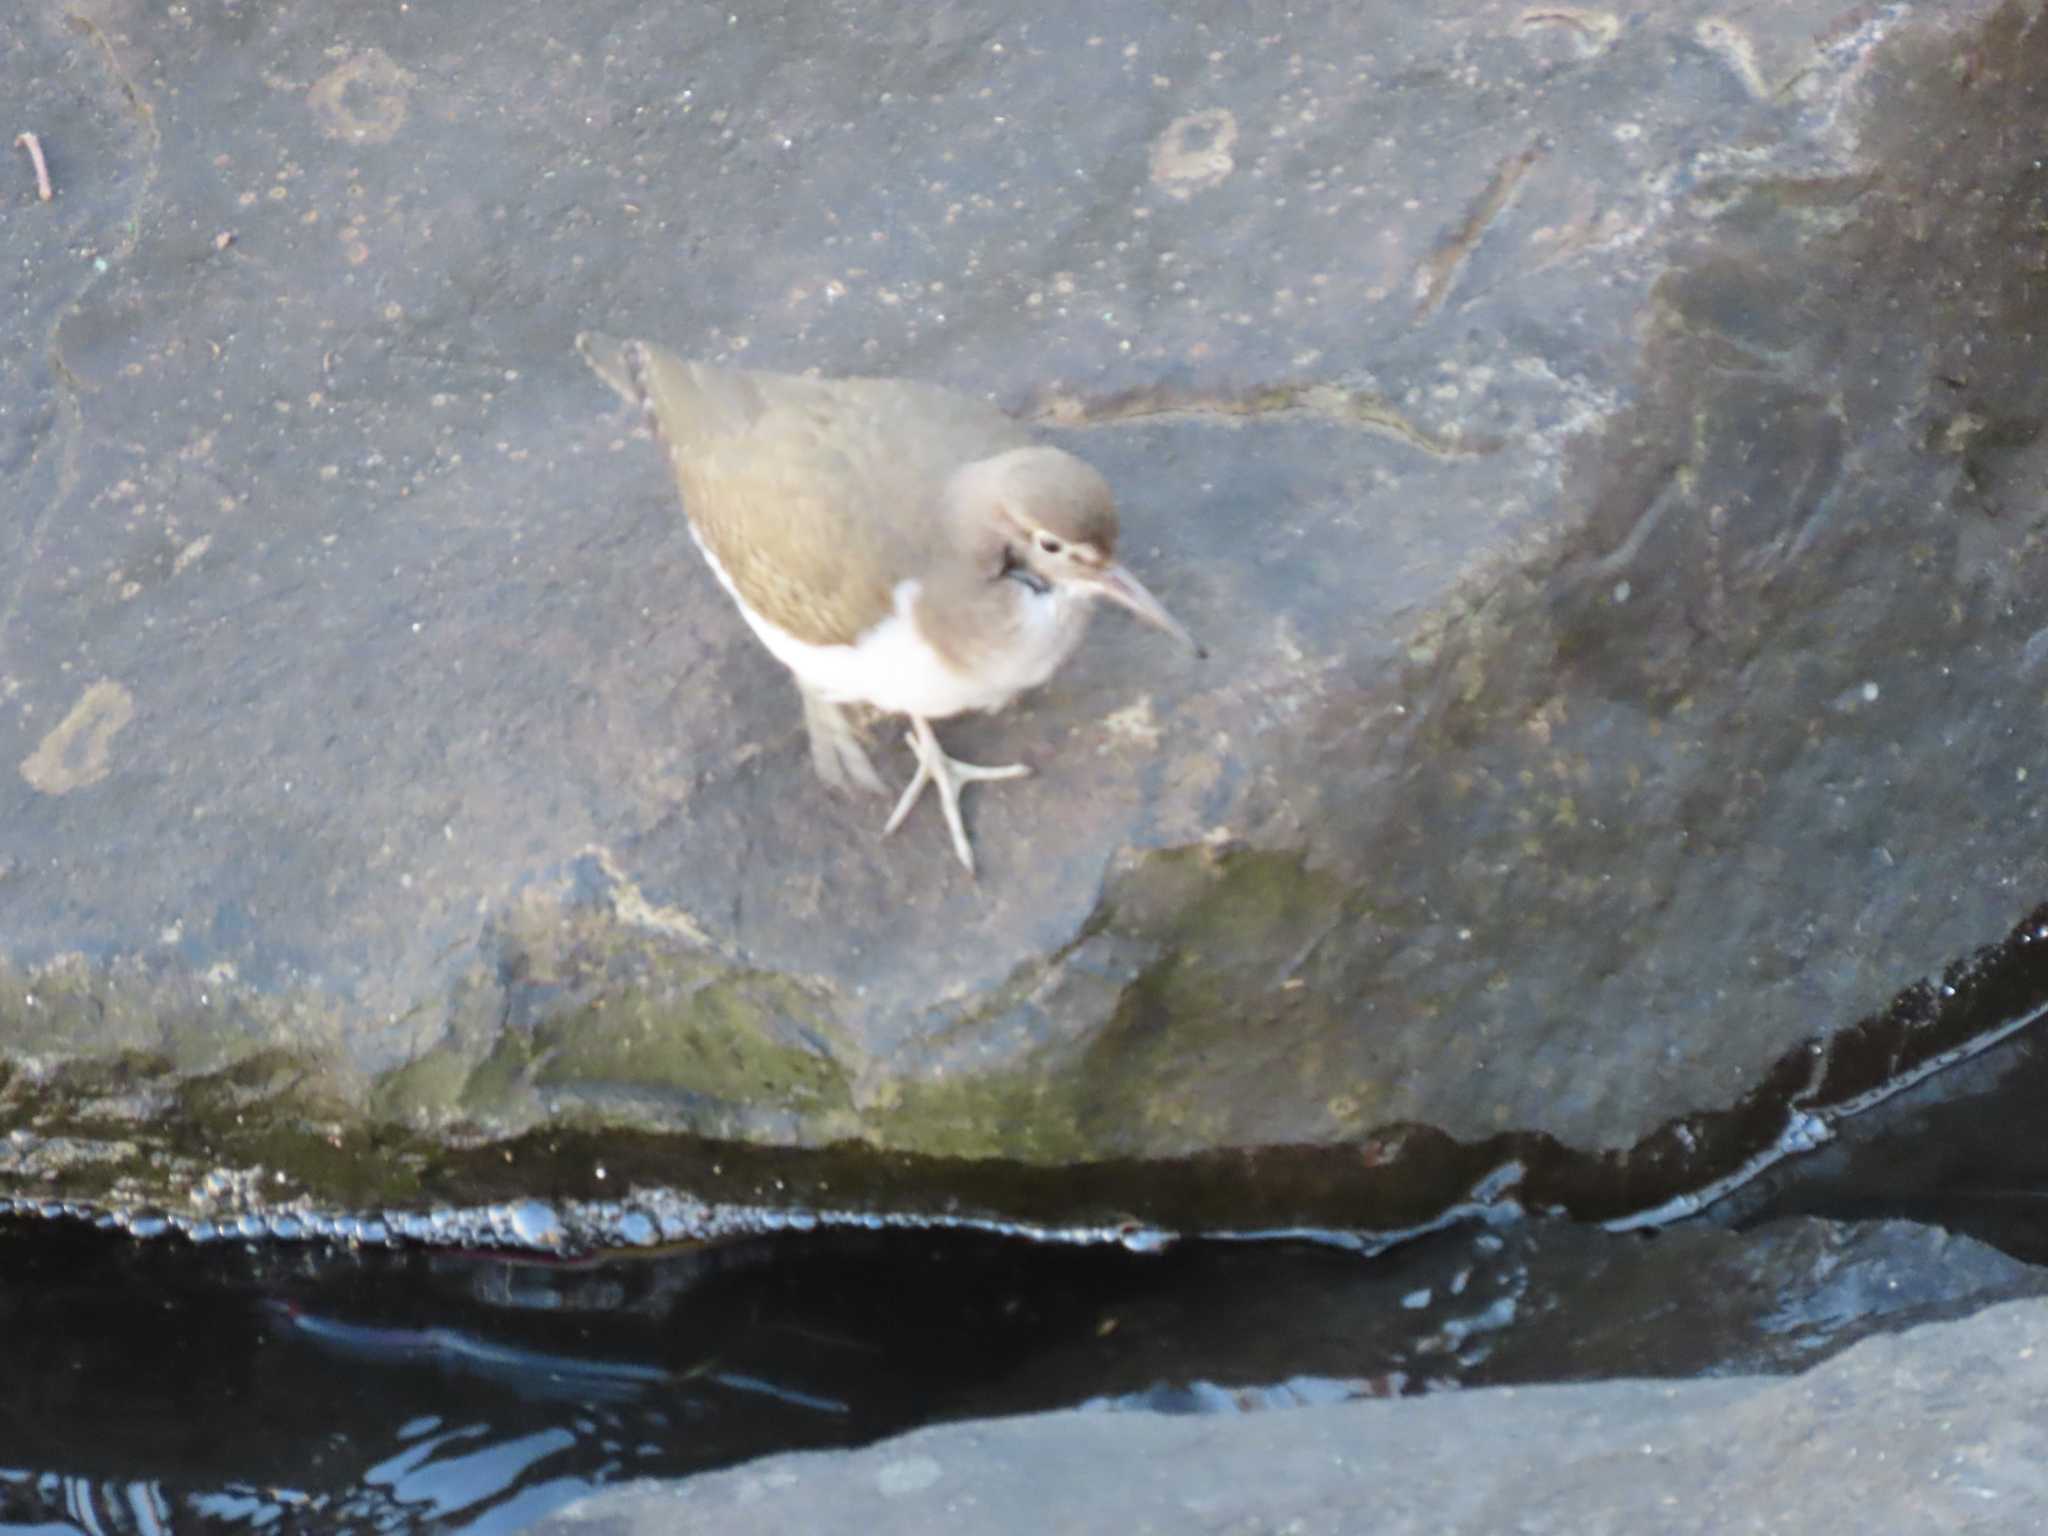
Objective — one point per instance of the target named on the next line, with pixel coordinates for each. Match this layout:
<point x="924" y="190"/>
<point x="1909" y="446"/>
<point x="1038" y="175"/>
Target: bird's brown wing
<point x="816" y="495"/>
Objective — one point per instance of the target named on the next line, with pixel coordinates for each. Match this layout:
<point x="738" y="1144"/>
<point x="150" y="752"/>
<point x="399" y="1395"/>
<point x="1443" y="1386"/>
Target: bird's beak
<point x="1120" y="586"/>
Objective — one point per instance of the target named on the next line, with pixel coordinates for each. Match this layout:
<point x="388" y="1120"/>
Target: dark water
<point x="165" y="1386"/>
<point x="171" y="1385"/>
<point x="152" y="1385"/>
<point x="161" y="1385"/>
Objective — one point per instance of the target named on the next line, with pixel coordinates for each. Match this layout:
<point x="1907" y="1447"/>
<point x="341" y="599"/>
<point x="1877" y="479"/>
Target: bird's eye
<point x="1049" y="544"/>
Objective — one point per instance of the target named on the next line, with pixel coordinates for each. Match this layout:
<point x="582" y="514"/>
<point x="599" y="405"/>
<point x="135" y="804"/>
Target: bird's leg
<point x="836" y="752"/>
<point x="948" y="773"/>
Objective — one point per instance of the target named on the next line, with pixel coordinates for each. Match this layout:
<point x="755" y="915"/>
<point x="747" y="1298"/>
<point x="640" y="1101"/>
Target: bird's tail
<point x="688" y="402"/>
<point x="610" y="360"/>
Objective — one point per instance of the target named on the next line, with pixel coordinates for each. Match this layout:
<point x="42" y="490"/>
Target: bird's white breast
<point x="893" y="668"/>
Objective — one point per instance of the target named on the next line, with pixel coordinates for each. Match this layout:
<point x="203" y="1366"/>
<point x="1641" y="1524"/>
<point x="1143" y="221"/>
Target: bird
<point x="892" y="543"/>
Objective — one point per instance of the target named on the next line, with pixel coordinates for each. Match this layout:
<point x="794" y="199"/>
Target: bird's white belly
<point x="892" y="668"/>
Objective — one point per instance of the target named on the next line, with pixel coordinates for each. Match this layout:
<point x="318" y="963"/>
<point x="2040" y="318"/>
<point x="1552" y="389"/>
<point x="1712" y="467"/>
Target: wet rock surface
<point x="1941" y="1428"/>
<point x="1593" y="445"/>
<point x="1958" y="1149"/>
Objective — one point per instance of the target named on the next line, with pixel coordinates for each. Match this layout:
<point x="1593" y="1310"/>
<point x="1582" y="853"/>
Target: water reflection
<point x="166" y="1386"/>
<point x="157" y="1386"/>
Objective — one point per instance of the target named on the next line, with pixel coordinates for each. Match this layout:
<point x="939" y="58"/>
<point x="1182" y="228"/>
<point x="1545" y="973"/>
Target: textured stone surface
<point x="1595" y="445"/>
<point x="1938" y="1429"/>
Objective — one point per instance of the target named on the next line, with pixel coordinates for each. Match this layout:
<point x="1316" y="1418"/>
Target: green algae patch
<point x="134" y="1081"/>
<point x="1030" y="1114"/>
<point x="106" y="1027"/>
<point x="1229" y="992"/>
<point x="423" y="1091"/>
<point x="498" y="1081"/>
<point x="265" y="1113"/>
<point x="476" y="1060"/>
<point x="590" y="1004"/>
<point x="1228" y="1006"/>
<point x="132" y="1130"/>
<point x="591" y="1015"/>
<point x="735" y="1037"/>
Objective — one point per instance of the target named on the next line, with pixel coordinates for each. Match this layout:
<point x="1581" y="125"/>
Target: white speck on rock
<point x="912" y="1474"/>
<point x="1194" y="153"/>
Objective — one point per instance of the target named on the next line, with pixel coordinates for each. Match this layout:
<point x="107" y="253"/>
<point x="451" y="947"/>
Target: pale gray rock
<point x="1939" y="1429"/>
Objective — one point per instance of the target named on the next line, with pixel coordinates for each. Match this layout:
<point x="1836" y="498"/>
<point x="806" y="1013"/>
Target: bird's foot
<point x="948" y="773"/>
<point x="836" y="753"/>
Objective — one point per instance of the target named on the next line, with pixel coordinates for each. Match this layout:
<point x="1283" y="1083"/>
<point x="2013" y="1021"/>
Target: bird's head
<point x="1056" y="521"/>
